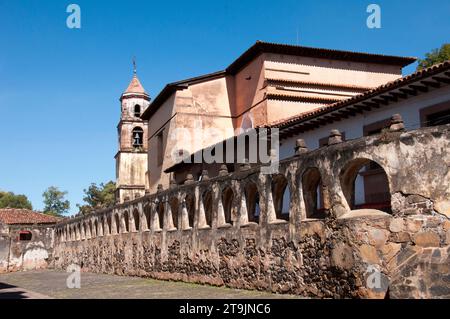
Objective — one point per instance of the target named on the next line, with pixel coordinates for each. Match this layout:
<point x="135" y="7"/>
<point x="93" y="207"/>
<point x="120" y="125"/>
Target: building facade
<point x="267" y="83"/>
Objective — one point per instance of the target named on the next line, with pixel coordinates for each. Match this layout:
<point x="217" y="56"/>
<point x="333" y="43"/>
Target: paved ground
<point x="52" y="284"/>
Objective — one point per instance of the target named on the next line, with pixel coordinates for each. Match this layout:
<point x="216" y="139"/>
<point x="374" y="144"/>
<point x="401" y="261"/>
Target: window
<point x="137" y="110"/>
<point x="438" y="114"/>
<point x="138" y="137"/>
<point x="25" y="235"/>
<point x="159" y="147"/>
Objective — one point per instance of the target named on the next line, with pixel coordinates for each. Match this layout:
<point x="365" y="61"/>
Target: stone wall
<point x="209" y="231"/>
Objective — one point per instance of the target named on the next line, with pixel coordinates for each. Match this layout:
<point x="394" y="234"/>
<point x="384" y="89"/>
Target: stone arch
<point x="102" y="225"/>
<point x="365" y="185"/>
<point x="160" y="212"/>
<point x="137" y="137"/>
<point x="91" y="229"/>
<point x="96" y="228"/>
<point x="126" y="220"/>
<point x="109" y="222"/>
<point x="281" y="196"/>
<point x="174" y="207"/>
<point x="190" y="206"/>
<point x="207" y="199"/>
<point x="147" y="214"/>
<point x="253" y="202"/>
<point x="117" y="222"/>
<point x="85" y="230"/>
<point x="227" y="202"/>
<point x="315" y="194"/>
<point x="78" y="231"/>
<point x="136" y="219"/>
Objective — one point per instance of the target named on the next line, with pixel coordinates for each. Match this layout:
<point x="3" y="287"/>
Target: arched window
<point x="137" y="110"/>
<point x="281" y="196"/>
<point x="138" y="137"/>
<point x="96" y="228"/>
<point x="253" y="208"/>
<point x="126" y="219"/>
<point x="91" y="231"/>
<point x="117" y="222"/>
<point x="160" y="212"/>
<point x="207" y="205"/>
<point x="315" y="194"/>
<point x="174" y="208"/>
<point x="109" y="222"/>
<point x="366" y="186"/>
<point x="190" y="206"/>
<point x="147" y="214"/>
<point x="136" y="219"/>
<point x="227" y="202"/>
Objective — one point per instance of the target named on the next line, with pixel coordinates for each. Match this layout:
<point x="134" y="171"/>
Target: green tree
<point x="98" y="197"/>
<point x="55" y="202"/>
<point x="435" y="56"/>
<point x="11" y="200"/>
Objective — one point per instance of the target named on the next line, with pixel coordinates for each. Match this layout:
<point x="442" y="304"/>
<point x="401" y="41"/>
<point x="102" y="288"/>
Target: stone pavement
<point x="52" y="284"/>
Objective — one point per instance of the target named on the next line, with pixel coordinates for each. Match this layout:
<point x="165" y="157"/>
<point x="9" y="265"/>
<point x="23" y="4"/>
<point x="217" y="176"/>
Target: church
<point x="268" y="84"/>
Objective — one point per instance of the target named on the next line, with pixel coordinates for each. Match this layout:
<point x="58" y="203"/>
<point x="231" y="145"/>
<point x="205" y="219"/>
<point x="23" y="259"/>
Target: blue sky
<point x="59" y="87"/>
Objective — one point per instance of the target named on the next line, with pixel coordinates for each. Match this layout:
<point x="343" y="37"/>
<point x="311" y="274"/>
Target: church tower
<point x="131" y="159"/>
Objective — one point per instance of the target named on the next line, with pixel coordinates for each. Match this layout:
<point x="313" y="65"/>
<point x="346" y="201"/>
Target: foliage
<point x="11" y="200"/>
<point x="98" y="197"/>
<point x="55" y="202"/>
<point x="435" y="56"/>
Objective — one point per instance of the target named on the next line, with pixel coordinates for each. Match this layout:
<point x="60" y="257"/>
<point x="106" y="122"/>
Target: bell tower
<point x="131" y="159"/>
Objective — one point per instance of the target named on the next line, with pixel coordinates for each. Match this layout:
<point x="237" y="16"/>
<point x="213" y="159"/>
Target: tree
<point x="98" y="197"/>
<point x="55" y="202"/>
<point x="11" y="200"/>
<point x="435" y="56"/>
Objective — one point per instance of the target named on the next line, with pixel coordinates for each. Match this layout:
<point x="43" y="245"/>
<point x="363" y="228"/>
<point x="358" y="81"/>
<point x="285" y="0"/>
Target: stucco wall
<point x="17" y="255"/>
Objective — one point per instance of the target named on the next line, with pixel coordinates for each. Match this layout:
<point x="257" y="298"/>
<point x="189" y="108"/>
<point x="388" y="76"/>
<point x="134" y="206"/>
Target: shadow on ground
<point x="11" y="292"/>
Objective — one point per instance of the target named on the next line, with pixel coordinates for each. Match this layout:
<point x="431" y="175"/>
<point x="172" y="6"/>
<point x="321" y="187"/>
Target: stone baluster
<point x="396" y="124"/>
<point x="223" y="171"/>
<point x="335" y="137"/>
<point x="300" y="147"/>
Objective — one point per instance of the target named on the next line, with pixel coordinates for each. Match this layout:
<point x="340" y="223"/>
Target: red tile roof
<point x="11" y="216"/>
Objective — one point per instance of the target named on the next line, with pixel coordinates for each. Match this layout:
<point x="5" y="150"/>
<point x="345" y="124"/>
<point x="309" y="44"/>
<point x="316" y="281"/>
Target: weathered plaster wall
<point x="17" y="255"/>
<point x="195" y="233"/>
